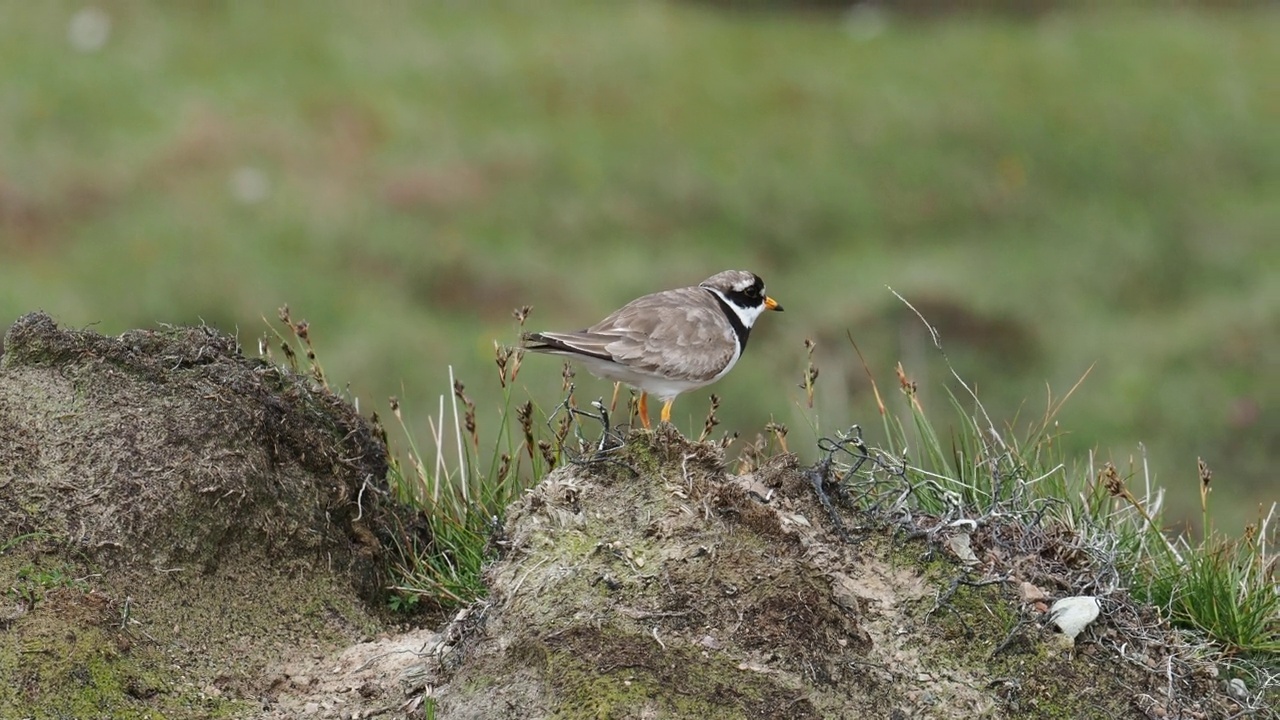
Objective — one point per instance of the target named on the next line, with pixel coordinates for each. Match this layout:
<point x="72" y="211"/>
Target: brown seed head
<point x="907" y="385"/>
<point x="562" y="429"/>
<point x="712" y="421"/>
<point x="567" y="373"/>
<point x="1111" y="480"/>
<point x="547" y="456"/>
<point x="521" y="314"/>
<point x="515" y="365"/>
<point x="524" y="413"/>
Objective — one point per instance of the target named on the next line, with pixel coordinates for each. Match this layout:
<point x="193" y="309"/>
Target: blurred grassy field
<point x="1082" y="189"/>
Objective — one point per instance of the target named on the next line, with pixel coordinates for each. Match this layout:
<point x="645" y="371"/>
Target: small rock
<point x="844" y="590"/>
<point x="959" y="545"/>
<point x="1031" y="594"/>
<point x="795" y="519"/>
<point x="1072" y="614"/>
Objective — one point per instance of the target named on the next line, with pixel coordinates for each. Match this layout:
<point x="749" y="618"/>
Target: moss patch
<point x="72" y="653"/>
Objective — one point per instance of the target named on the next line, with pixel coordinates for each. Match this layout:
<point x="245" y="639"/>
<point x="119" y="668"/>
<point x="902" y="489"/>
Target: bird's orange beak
<point x="771" y="304"/>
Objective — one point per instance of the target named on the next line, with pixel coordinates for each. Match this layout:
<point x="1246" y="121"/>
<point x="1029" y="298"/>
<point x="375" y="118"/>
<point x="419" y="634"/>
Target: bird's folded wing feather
<point x="681" y="334"/>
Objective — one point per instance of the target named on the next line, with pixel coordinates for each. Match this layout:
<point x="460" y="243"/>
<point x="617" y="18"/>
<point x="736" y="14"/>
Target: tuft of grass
<point x="459" y="496"/>
<point x="460" y="507"/>
<point x="33" y="583"/>
<point x="1219" y="589"/>
<point x="462" y="486"/>
<point x="1221" y="585"/>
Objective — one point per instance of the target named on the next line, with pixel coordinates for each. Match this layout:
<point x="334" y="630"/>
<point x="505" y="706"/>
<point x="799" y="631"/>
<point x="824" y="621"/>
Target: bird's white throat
<point x="746" y="315"/>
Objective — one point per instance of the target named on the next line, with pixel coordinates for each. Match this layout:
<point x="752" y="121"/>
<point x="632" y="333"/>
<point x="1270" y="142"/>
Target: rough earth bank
<point x="187" y="533"/>
<point x="656" y="585"/>
<point x="177" y="522"/>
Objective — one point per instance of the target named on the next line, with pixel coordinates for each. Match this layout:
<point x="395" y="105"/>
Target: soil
<point x="188" y="533"/>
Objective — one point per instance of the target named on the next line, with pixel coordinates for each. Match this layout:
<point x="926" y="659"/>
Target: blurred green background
<point x="1079" y="186"/>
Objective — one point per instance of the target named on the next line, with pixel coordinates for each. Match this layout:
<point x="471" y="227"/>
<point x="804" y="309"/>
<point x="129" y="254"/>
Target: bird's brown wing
<point x="680" y="334"/>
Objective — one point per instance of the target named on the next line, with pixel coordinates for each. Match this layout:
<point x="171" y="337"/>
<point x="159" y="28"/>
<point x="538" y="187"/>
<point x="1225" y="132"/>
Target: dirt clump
<point x="174" y="518"/>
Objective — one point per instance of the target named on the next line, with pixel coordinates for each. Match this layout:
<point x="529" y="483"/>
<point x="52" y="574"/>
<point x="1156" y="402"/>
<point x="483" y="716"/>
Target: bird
<point x="668" y="342"/>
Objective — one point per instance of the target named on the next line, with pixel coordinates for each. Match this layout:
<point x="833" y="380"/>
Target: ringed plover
<point x="669" y="342"/>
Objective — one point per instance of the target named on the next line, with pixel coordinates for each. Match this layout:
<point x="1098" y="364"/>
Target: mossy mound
<point x="173" y="518"/>
<point x="654" y="584"/>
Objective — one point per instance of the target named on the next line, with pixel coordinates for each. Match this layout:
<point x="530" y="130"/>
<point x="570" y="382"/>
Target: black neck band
<point x="742" y="331"/>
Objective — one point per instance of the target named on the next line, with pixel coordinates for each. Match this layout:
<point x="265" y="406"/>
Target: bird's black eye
<point x="752" y="292"/>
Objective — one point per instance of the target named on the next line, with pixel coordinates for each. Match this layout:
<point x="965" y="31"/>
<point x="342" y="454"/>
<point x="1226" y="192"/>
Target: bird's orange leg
<point x="666" y="410"/>
<point x="644" y="409"/>
<point x="613" y="404"/>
